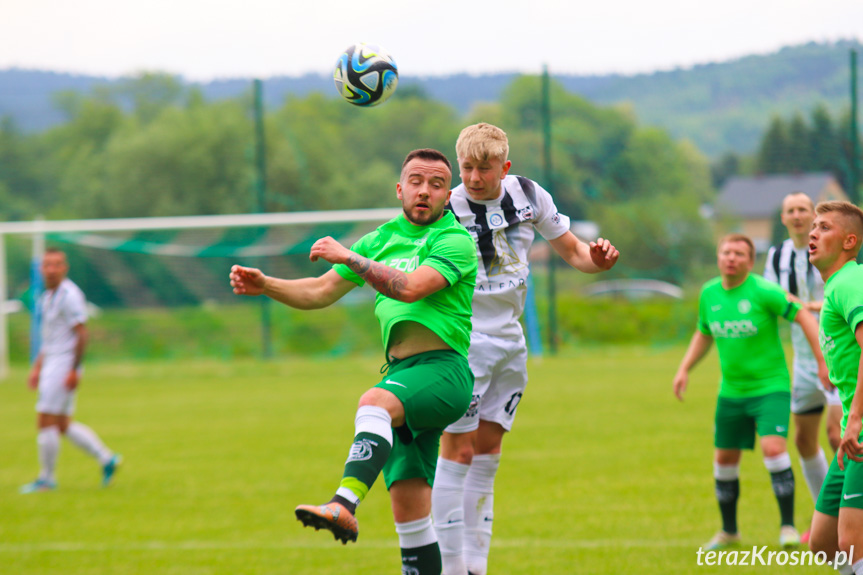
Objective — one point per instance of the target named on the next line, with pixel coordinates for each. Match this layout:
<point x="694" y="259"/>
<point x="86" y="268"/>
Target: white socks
<point x="479" y="511"/>
<point x="48" y="445"/>
<point x="87" y="440"/>
<point x="448" y="513"/>
<point x="778" y="463"/>
<point x="726" y="472"/>
<point x="814" y="471"/>
<point x="415" y="534"/>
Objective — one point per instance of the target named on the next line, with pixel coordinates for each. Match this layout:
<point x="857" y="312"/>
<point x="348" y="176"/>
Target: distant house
<point x="756" y="201"/>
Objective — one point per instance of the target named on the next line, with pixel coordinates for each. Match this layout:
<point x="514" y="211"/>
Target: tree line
<point x="794" y="145"/>
<point x="152" y="147"/>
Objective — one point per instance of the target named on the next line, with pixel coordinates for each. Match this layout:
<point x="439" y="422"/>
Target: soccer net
<point x="159" y="288"/>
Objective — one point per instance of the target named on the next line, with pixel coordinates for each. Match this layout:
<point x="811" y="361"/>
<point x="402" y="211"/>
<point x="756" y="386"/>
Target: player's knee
<point x="458" y="447"/>
<point x="807" y="445"/>
<point x="818" y="543"/>
<point x="848" y="542"/>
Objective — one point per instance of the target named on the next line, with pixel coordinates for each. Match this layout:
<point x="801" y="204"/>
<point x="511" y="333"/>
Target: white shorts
<point x="54" y="398"/>
<point x="807" y="393"/>
<point x="499" y="368"/>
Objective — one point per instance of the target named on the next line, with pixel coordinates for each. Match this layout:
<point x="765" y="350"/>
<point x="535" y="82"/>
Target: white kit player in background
<point x="501" y="212"/>
<point x="788" y="265"/>
<point x="57" y="372"/>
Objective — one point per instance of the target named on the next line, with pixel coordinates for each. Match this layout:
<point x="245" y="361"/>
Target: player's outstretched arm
<point x="699" y="345"/>
<point x="393" y="283"/>
<point x="809" y="325"/>
<point x="305" y="293"/>
<point x="850" y="444"/>
<point x="590" y="258"/>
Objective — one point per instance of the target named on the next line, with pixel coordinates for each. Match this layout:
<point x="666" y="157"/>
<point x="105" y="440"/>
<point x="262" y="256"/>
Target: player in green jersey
<point x="423" y="265"/>
<point x="739" y="311"/>
<point x="834" y="243"/>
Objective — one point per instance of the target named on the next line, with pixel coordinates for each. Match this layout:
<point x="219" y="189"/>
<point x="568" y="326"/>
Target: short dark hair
<point x="53" y="250"/>
<point x="427" y="154"/>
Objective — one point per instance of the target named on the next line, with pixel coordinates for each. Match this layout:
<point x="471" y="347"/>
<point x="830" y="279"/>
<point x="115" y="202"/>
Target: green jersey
<point x="743" y="322"/>
<point x="841" y="313"/>
<point x="445" y="246"/>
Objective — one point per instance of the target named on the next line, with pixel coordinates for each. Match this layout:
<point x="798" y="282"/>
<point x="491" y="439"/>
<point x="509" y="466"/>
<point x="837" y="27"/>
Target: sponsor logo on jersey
<point x="716" y="307"/>
<point x="420" y="241"/>
<point x="744" y="306"/>
<point x="495" y="219"/>
<point x="493" y="287"/>
<point x="525" y="214"/>
<point x="556" y="218"/>
<point x="406" y="265"/>
<point x="825" y="341"/>
<point x="361" y="450"/>
<point x="733" y="329"/>
<point x="848" y="496"/>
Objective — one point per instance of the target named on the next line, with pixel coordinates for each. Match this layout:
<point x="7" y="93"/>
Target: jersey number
<point x="512" y="404"/>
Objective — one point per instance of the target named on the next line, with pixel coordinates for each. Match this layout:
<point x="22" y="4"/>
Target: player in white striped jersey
<point x="788" y="265"/>
<point x="502" y="213"/>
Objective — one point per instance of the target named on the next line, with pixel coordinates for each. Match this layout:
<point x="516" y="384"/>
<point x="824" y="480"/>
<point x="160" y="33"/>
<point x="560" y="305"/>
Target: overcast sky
<point x="203" y="40"/>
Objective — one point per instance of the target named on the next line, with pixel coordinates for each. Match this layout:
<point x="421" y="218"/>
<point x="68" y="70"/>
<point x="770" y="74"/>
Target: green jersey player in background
<point x="502" y="212"/>
<point x="834" y="244"/>
<point x="423" y="265"/>
<point x="739" y="311"/>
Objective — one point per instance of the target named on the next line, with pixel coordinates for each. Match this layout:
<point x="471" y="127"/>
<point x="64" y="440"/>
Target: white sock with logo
<point x="448" y="513"/>
<point x="88" y="441"/>
<point x="479" y="511"/>
<point x="48" y="445"/>
<point x="814" y="471"/>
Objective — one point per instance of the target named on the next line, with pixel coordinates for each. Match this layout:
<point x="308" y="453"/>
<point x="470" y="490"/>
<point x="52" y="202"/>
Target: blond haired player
<point x="834" y="244"/>
<point x="502" y="212"/>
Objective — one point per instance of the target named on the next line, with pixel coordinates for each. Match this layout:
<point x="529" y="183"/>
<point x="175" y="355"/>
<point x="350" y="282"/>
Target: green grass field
<point x="605" y="473"/>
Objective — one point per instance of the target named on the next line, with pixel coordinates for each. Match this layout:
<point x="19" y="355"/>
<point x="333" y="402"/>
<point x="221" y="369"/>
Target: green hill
<point x="718" y="106"/>
<point x="727" y="106"/>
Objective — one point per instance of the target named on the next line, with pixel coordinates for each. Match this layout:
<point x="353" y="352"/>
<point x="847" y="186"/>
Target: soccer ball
<point x="366" y="75"/>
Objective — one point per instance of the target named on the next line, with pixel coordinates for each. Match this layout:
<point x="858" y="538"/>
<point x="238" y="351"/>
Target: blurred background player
<point x="835" y="241"/>
<point x="57" y="372"/>
<point x="739" y="311"/>
<point x="788" y="265"/>
<point x="423" y="264"/>
<point x="502" y="212"/>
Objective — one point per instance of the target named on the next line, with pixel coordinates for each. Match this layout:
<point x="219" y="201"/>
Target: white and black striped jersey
<point x="790" y="268"/>
<point x="504" y="230"/>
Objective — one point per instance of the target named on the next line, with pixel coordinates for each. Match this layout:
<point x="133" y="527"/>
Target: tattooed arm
<point x="393" y="283"/>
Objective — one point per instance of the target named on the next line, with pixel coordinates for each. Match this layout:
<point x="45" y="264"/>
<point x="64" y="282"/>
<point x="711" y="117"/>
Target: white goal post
<point x="37" y="230"/>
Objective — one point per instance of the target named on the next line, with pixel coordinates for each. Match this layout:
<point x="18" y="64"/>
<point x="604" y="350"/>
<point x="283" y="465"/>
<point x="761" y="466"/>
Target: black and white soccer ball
<point x="366" y="75"/>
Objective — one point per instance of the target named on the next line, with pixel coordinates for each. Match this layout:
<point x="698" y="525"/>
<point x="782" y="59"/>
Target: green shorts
<point x="435" y="388"/>
<point x="841" y="488"/>
<point x="739" y="419"/>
